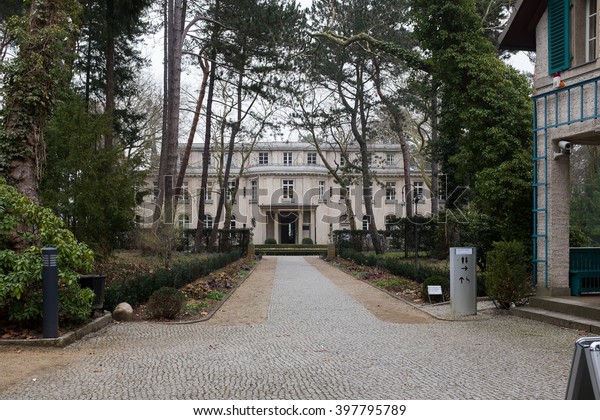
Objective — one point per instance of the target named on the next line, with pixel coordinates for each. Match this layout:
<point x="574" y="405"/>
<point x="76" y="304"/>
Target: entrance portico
<point x="290" y="223"/>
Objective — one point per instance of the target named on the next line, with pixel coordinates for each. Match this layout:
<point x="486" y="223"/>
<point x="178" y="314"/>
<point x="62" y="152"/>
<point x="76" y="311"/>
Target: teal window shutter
<point x="559" y="56"/>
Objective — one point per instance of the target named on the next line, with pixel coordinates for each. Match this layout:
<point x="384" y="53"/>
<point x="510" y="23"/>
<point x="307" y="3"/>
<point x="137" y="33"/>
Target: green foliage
<point x="577" y="238"/>
<point x="585" y="208"/>
<point x="196" y="307"/>
<point x="25" y="228"/>
<point x="418" y="273"/>
<point x="393" y="283"/>
<point x="307" y="241"/>
<point x="270" y="241"/>
<point x="166" y="303"/>
<point x="508" y="277"/>
<point x="485" y="115"/>
<point x="366" y="259"/>
<point x="138" y="289"/>
<point x="92" y="189"/>
<point x="34" y="77"/>
<point x="215" y="295"/>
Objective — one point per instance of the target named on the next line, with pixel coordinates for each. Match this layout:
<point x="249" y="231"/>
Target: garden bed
<point x="400" y="287"/>
<point x="206" y="294"/>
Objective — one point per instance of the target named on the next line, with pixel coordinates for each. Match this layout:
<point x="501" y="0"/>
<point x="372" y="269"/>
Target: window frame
<point x="390" y="191"/>
<point x="287" y="186"/>
<point x="263" y="158"/>
<point x="390" y="159"/>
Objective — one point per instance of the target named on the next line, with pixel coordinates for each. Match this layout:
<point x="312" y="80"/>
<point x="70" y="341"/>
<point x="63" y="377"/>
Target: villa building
<point x="283" y="190"/>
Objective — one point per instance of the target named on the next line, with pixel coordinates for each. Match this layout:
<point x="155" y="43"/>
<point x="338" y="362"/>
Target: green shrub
<point x="307" y="241"/>
<point x="215" y="295"/>
<point x="408" y="269"/>
<point x="508" y="277"/>
<point x="270" y="241"/>
<point x="137" y="290"/>
<point x="368" y="259"/>
<point x="166" y="303"/>
<point x="24" y="228"/>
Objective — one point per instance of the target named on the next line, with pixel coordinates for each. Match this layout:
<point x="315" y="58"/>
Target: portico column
<point x="277" y="226"/>
<point x="301" y="227"/>
<point x="558" y="190"/>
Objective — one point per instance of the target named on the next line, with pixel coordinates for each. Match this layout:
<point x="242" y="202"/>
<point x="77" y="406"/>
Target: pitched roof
<point x="519" y="34"/>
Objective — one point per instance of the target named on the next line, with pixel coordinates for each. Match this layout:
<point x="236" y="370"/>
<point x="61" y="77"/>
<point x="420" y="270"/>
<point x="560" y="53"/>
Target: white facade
<point x="285" y="192"/>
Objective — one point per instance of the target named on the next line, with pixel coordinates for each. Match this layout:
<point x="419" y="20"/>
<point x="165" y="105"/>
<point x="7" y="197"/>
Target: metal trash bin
<point x="97" y="284"/>
<point x="584" y="379"/>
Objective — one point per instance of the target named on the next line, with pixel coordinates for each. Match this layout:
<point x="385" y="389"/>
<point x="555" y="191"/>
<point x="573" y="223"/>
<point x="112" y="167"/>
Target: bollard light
<point x="50" y="292"/>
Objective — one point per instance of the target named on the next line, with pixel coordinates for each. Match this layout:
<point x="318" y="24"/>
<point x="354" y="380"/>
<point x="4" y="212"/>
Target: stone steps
<point x="580" y="314"/>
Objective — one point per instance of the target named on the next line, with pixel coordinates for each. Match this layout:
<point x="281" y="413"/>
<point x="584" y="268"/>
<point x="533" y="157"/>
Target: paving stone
<point x="318" y="343"/>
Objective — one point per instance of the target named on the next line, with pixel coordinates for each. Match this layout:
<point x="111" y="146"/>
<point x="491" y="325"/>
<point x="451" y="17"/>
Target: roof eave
<point x="519" y="34"/>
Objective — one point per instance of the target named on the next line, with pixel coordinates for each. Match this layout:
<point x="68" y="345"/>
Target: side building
<point x="283" y="190"/>
<point x="564" y="36"/>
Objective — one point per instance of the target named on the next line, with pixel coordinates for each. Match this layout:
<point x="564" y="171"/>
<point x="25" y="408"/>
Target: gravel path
<point x="310" y="339"/>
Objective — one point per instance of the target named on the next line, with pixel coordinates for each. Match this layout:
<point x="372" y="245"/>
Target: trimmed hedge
<point x="369" y="260"/>
<point x="418" y="273"/>
<point x="138" y="290"/>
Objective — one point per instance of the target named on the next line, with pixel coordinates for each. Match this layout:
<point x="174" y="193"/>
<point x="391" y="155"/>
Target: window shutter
<point x="558" y="35"/>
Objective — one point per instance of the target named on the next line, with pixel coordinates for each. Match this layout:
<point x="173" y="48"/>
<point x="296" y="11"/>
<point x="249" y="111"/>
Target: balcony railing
<point x="573" y="103"/>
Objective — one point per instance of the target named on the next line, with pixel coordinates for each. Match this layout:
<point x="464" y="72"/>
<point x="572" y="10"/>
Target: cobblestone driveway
<point x="317" y="343"/>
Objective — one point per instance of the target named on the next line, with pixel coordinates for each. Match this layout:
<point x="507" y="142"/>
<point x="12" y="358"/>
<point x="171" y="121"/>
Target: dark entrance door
<point x="288" y="228"/>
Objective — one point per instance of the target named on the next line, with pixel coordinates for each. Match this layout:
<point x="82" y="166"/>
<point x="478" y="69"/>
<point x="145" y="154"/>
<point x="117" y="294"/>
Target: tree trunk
<point x="188" y="148"/>
<point x="397" y="125"/>
<point x="162" y="166"/>
<point x="110" y="74"/>
<point x="43" y="66"/>
<point x="169" y="153"/>
<point x="435" y="181"/>
<point x="207" y="139"/>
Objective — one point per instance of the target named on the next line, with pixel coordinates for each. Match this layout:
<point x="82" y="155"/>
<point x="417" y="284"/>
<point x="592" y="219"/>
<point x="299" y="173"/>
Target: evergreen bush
<point x="137" y="290"/>
<point x="270" y="241"/>
<point x="166" y="303"/>
<point x="508" y="276"/>
<point x="25" y="228"/>
<point x="307" y="241"/>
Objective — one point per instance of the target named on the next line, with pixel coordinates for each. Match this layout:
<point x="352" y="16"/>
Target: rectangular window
<point x="288" y="189"/>
<point x="287" y="158"/>
<point x="366" y="222"/>
<point x="311" y="159"/>
<point x="390" y="159"/>
<point x="208" y="195"/>
<point x="558" y="35"/>
<point x="418" y="191"/>
<point x="254" y="191"/>
<point x="321" y="190"/>
<point x="155" y="191"/>
<point x="390" y="191"/>
<point x="230" y="188"/>
<point x="185" y="195"/>
<point x="590" y="30"/>
<point x="184" y="221"/>
<point x="342" y="160"/>
<point x="263" y="158"/>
